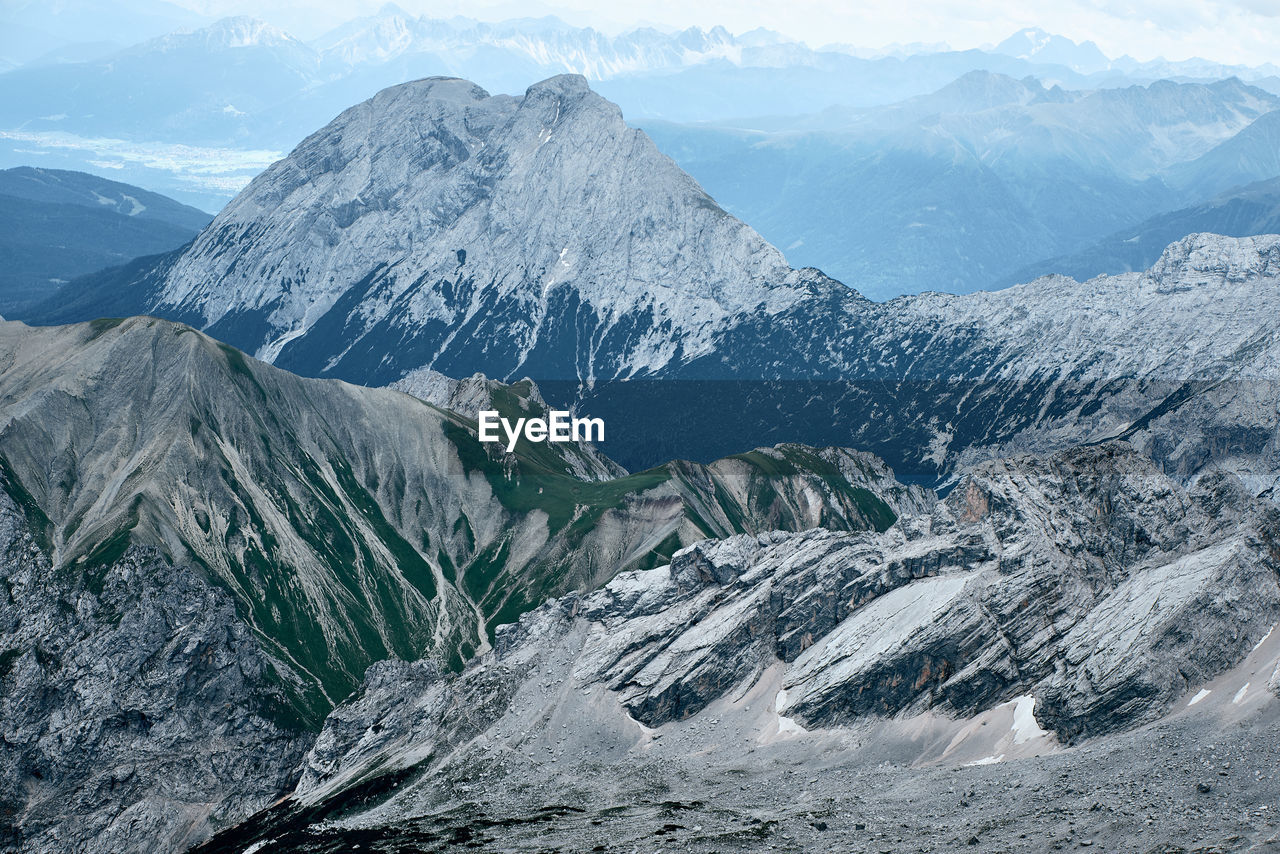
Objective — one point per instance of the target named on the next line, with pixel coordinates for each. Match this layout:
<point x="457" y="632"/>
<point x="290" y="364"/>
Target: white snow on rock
<point x="1025" y="727"/>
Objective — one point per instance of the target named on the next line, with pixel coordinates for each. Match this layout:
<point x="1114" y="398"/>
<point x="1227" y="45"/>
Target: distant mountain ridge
<point x="299" y="84"/>
<point x="246" y="91"/>
<point x="959" y="189"/>
<point x="1248" y="156"/>
<point x="1035" y="43"/>
<point x="91" y="191"/>
<point x="56" y="225"/>
<point x="1251" y="210"/>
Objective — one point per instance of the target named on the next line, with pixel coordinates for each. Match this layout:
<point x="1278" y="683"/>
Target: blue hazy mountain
<point x="1249" y="156"/>
<point x="1036" y="45"/>
<point x="197" y="113"/>
<point x="219" y="83"/>
<point x="1242" y="212"/>
<point x="56" y="225"/>
<point x="239" y="78"/>
<point x="34" y="28"/>
<point x="957" y="189"/>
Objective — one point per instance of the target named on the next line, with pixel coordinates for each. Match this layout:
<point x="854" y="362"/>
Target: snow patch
<point x="1257" y="646"/>
<point x="1239" y="697"/>
<point x="987" y="760"/>
<point x="271" y="351"/>
<point x="1025" y="726"/>
<point x="938" y="446"/>
<point x="788" y="726"/>
<point x="1204" y="692"/>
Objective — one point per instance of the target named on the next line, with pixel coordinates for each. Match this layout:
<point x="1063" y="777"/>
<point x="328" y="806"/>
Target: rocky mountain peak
<point x="232" y="32"/>
<point x="1206" y="258"/>
<point x="572" y="86"/>
<point x="981" y="89"/>
<point x="433" y="211"/>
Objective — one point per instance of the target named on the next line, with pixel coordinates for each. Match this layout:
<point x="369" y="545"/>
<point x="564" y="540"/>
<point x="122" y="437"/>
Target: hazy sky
<point x="1234" y="31"/>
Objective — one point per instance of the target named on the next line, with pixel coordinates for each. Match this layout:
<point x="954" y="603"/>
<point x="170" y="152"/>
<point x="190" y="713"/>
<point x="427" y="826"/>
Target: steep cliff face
<point x="1087" y="589"/>
<point x="140" y="712"/>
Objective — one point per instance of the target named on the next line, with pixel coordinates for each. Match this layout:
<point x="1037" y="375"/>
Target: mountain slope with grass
<point x="241" y="544"/>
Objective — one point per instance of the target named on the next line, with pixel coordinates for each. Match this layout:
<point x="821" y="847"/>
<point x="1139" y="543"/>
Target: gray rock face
<point x="1086" y="589"/>
<point x="1180" y="360"/>
<point x="408" y="216"/>
<point x="333" y="526"/>
<point x="1147" y="590"/>
<point x="1088" y="581"/>
<point x="220" y="549"/>
<point x="138" y="712"/>
<point x="354" y="524"/>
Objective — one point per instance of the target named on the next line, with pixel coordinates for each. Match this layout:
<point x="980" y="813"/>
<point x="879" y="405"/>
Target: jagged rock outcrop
<point x="1088" y="580"/>
<point x="138" y="712"/>
<point x="1086" y="586"/>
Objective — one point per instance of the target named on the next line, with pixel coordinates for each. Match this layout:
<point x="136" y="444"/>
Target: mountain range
<point x="757" y="689"/>
<point x="253" y="541"/>
<point x="928" y="170"/>
<point x="242" y="89"/>
<point x="690" y="75"/>
<point x="265" y="589"/>
<point x="961" y="189"/>
<point x="384" y="245"/>
<point x="36" y="32"/>
<point x="1253" y="209"/>
<point x="202" y="553"/>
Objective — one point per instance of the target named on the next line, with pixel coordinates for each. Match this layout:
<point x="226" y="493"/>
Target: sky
<point x="1229" y="31"/>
